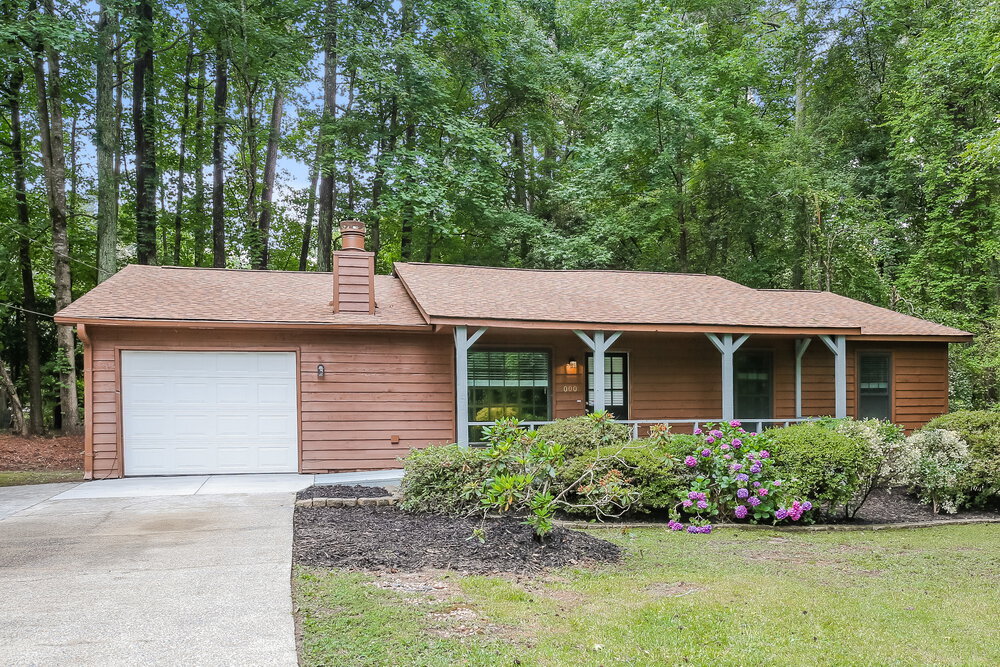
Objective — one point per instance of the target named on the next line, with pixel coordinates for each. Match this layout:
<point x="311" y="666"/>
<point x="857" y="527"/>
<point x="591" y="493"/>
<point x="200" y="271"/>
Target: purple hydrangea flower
<point x="675" y="525"/>
<point x="690" y="461"/>
<point x="762" y="492"/>
<point x="753" y="432"/>
<point x="756" y="468"/>
<point x="777" y="483"/>
<point x="687" y="503"/>
<point x="693" y="529"/>
<point x="736" y="466"/>
<point x="728" y="457"/>
<point x="764" y="454"/>
<point x="725" y="448"/>
<point x="756" y="485"/>
<point x="807" y="505"/>
<point x="754" y="500"/>
<point x="742" y="477"/>
<point x="697" y="431"/>
<point x="740" y="512"/>
<point x="737" y="443"/>
<point x="709" y="440"/>
<point x="742" y="493"/>
<point x="715" y="433"/>
<point x="693" y="495"/>
<point x="781" y="514"/>
<point x="706" y="453"/>
<point x="703" y="504"/>
<point x="735" y="423"/>
<point x="706" y="529"/>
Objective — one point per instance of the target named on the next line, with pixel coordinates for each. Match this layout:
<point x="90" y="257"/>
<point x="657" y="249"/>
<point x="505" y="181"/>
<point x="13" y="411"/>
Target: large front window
<point x="508" y="383"/>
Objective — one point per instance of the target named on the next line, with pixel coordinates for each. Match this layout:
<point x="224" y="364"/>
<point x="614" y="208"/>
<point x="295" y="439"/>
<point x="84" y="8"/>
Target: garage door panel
<point x="209" y="412"/>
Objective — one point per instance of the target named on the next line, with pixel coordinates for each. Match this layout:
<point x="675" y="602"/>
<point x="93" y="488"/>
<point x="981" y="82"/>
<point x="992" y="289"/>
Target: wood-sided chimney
<point x="353" y="271"/>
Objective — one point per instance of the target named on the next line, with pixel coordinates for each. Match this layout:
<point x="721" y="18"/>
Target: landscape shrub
<point x="881" y="446"/>
<point x="980" y="429"/>
<point x="937" y="460"/>
<point x="444" y="479"/>
<point x="522" y="479"/>
<point x="653" y="475"/>
<point x="735" y="479"/>
<point x="580" y="434"/>
<point x="823" y="465"/>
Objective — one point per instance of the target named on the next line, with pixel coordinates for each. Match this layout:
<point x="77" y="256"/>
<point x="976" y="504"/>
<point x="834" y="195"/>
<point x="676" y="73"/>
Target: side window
<point x="874" y="385"/>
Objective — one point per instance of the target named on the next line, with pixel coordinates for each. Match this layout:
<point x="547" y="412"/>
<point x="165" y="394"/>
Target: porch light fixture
<point x="320" y="370"/>
<point x="572" y="364"/>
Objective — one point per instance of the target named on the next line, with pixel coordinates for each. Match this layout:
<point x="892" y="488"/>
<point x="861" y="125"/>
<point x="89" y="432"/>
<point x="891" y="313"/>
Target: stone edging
<point x="791" y="529"/>
<point x="383" y="501"/>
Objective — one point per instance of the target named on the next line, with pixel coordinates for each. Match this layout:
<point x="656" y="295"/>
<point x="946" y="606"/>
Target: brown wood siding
<point x="376" y="386"/>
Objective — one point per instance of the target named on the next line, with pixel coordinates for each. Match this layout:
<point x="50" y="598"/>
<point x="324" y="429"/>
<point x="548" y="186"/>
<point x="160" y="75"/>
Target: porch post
<point x="801" y="344"/>
<point x="838" y="345"/>
<point x="598" y="345"/>
<point x="727" y="346"/>
<point x="463" y="341"/>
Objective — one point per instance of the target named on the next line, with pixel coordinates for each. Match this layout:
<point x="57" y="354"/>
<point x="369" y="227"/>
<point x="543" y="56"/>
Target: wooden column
<point x="727" y="346"/>
<point x="801" y="345"/>
<point x="598" y="345"/>
<point x="838" y="345"/>
<point x="463" y="341"/>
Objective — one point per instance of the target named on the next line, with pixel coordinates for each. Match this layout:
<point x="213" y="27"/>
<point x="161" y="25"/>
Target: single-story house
<point x="196" y="370"/>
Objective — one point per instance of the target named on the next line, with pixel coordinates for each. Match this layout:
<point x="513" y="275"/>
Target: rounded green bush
<point x="654" y="475"/>
<point x="578" y="434"/>
<point x="443" y="479"/>
<point x="981" y="430"/>
<point x="825" y="467"/>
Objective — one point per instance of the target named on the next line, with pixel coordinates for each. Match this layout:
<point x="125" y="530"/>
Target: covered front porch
<point x="679" y="378"/>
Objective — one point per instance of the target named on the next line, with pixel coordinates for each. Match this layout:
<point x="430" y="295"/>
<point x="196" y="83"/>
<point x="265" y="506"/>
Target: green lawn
<point x="18" y="477"/>
<point x="733" y="597"/>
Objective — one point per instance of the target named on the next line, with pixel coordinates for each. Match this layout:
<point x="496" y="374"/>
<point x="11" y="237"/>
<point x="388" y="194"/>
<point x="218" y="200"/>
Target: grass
<point x="909" y="597"/>
<point x="18" y="477"/>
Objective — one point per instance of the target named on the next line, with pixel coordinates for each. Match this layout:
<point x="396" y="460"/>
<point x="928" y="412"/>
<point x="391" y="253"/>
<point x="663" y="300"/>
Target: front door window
<point x="874" y="390"/>
<point x="615" y="383"/>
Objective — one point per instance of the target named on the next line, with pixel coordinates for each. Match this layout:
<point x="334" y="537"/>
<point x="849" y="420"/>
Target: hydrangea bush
<point x="733" y="479"/>
<point x="935" y="462"/>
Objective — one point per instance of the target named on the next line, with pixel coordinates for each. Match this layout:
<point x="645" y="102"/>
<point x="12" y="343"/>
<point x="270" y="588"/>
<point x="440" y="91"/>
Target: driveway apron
<point x="193" y="580"/>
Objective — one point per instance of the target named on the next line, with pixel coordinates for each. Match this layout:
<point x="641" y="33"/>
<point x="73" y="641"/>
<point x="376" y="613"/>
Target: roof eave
<point x="234" y="324"/>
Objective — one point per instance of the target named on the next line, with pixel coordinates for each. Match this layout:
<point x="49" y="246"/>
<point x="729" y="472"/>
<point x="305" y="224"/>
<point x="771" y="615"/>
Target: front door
<point x="753" y="384"/>
<point x="615" y="383"/>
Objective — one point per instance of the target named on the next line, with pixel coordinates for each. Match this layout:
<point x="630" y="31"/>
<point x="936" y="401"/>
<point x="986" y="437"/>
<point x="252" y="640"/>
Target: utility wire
<point x="64" y="256"/>
<point x="25" y="310"/>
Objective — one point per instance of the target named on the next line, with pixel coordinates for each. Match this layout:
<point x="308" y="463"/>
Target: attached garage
<point x="196" y="413"/>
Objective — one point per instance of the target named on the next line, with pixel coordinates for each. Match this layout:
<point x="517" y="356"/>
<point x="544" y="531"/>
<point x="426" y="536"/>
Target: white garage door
<point x="196" y="413"/>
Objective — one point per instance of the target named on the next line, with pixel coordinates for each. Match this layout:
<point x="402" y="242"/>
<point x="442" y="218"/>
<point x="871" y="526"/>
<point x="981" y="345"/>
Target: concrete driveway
<point x="169" y="579"/>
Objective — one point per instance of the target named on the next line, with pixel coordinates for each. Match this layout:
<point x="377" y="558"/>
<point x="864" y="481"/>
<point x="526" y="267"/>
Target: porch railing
<point x="636" y="425"/>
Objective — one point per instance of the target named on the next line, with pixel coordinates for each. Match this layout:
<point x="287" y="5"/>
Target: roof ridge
<point x="523" y="268"/>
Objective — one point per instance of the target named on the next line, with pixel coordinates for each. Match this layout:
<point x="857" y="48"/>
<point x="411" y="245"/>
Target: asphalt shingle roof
<point x="450" y="293"/>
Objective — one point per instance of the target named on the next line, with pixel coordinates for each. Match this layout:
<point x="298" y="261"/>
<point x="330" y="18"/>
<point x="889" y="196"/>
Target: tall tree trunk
<point x="185" y="114"/>
<point x="801" y="213"/>
<point x="520" y="190"/>
<point x="29" y="301"/>
<point x="310" y="212"/>
<point x="50" y="123"/>
<point x="199" y="173"/>
<point x="16" y="409"/>
<point x="143" y="122"/>
<point x="327" y="187"/>
<point x="267" y="191"/>
<point x="218" y="166"/>
<point x="406" y="235"/>
<point x="106" y="144"/>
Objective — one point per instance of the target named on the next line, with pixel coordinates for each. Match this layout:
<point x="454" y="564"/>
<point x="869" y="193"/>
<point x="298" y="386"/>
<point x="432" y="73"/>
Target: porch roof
<point x="535" y="298"/>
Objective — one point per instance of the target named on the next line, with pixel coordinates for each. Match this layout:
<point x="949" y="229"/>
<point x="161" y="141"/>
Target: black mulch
<point x="385" y="538"/>
<point x="341" y="491"/>
<point x="897" y="506"/>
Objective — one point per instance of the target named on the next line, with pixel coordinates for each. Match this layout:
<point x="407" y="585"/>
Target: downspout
<point x="88" y="401"/>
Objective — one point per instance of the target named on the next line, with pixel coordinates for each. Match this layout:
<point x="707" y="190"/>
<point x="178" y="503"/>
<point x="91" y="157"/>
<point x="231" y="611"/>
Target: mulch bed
<point x="898" y="506"/>
<point x="385" y="538"/>
<point x="63" y="453"/>
<point x="341" y="491"/>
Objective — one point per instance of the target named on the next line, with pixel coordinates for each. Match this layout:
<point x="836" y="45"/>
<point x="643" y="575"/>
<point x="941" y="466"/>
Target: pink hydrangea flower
<point x="687" y="503"/>
<point x="735" y="423"/>
<point x="690" y="461"/>
<point x="762" y="492"/>
<point x="709" y="440"/>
